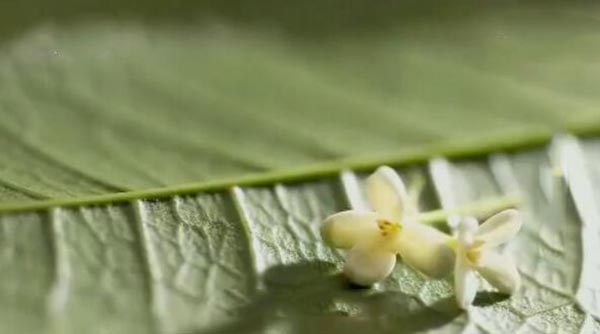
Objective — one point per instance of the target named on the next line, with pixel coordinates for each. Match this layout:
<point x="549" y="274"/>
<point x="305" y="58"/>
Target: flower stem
<point x="479" y="209"/>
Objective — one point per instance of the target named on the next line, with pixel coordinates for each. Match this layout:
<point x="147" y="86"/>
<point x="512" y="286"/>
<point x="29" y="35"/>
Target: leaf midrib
<point x="473" y="146"/>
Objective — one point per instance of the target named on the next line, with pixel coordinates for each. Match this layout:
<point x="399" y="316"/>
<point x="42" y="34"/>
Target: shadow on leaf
<point x="488" y="298"/>
<point x="311" y="297"/>
<point x="306" y="19"/>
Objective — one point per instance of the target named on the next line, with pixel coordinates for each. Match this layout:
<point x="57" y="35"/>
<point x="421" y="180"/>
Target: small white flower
<point x="374" y="238"/>
<point x="474" y="253"/>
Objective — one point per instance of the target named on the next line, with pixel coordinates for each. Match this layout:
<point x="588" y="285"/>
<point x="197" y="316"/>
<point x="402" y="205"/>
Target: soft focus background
<point x="104" y="96"/>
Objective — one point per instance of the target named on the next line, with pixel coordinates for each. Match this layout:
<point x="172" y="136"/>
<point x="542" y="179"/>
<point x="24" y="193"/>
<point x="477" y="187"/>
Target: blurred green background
<point x="105" y="96"/>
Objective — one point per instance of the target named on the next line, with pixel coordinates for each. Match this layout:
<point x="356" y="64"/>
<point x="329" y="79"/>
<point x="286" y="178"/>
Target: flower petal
<point x="500" y="228"/>
<point x="387" y="193"/>
<point x="467" y="227"/>
<point x="500" y="271"/>
<point x="465" y="282"/>
<point x="344" y="229"/>
<point x="425" y="249"/>
<point x="368" y="263"/>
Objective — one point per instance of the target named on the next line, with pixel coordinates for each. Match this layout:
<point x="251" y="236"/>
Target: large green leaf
<point x="165" y="165"/>
<point x="101" y="97"/>
<point x="249" y="259"/>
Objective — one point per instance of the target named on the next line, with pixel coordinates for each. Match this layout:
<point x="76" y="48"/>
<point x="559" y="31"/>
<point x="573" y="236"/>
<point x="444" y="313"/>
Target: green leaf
<point x="165" y="94"/>
<point x="165" y="167"/>
<point x="249" y="259"/>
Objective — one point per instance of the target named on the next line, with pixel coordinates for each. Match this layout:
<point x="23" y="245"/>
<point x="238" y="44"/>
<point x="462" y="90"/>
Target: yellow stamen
<point x="388" y="227"/>
<point x="473" y="255"/>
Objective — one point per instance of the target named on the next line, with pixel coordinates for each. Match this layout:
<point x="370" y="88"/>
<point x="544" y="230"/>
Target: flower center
<point x="473" y="255"/>
<point x="387" y="227"/>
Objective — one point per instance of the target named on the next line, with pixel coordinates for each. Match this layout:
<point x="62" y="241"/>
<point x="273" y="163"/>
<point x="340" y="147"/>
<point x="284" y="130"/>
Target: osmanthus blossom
<point x="375" y="238"/>
<point x="475" y="252"/>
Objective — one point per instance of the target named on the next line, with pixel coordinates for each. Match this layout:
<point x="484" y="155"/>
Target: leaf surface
<point x="249" y="259"/>
<point x="165" y="167"/>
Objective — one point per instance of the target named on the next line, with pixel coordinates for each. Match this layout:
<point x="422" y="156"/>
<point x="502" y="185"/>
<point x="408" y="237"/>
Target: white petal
<point x="344" y="229"/>
<point x="500" y="228"/>
<point x="500" y="271"/>
<point x="465" y="283"/>
<point x="367" y="263"/>
<point x="387" y="193"/>
<point x="466" y="230"/>
<point x="425" y="249"/>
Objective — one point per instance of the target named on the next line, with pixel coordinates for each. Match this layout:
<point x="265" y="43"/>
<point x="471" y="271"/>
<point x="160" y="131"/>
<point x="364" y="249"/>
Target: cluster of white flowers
<point x="375" y="238"/>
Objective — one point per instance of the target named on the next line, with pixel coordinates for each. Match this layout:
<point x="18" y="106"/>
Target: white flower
<point x="376" y="237"/>
<point x="474" y="253"/>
